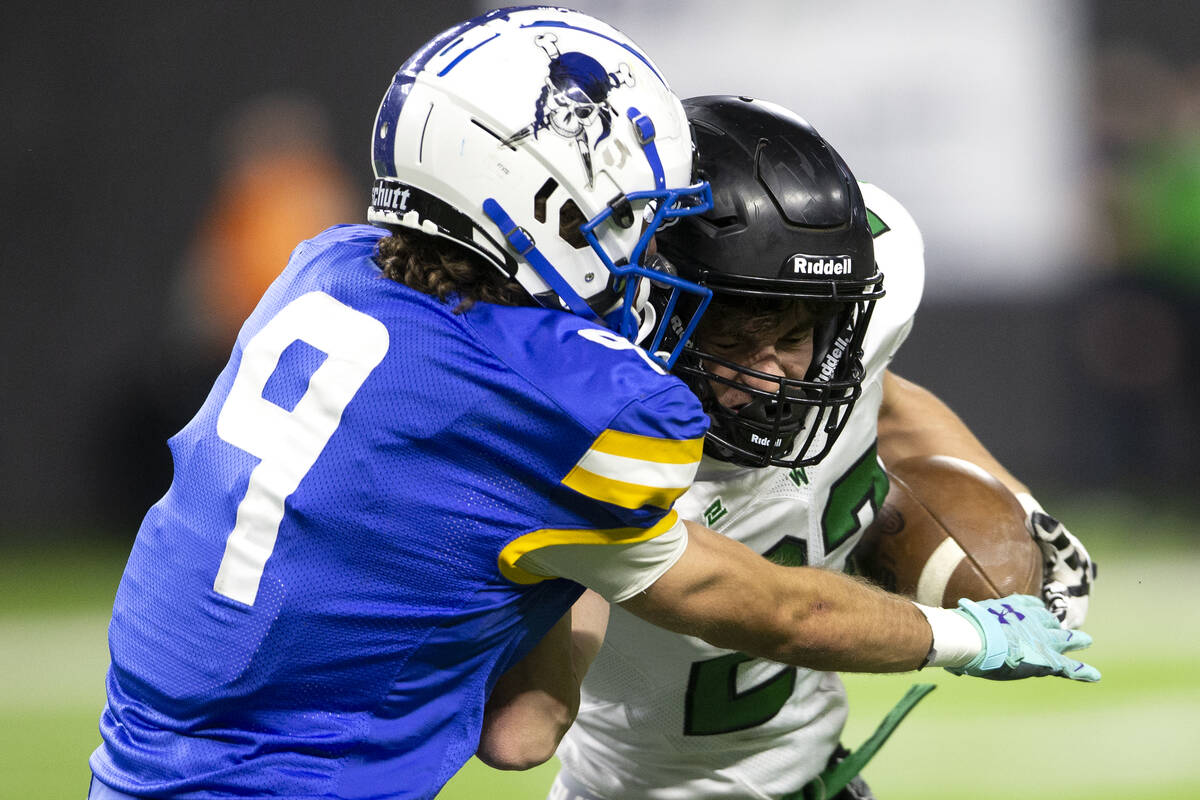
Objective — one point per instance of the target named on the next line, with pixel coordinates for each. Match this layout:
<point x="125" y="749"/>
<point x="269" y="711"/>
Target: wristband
<point x="1029" y="504"/>
<point x="955" y="640"/>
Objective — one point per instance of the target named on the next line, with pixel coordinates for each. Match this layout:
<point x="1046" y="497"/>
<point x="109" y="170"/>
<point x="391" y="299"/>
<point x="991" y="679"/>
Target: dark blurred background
<point x="160" y="160"/>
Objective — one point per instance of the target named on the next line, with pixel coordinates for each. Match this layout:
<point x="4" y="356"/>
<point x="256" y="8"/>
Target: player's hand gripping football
<point x="1021" y="639"/>
<point x="1068" y="571"/>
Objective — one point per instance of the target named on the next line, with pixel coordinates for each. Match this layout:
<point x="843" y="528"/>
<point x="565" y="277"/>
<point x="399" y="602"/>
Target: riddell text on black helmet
<point x="821" y="265"/>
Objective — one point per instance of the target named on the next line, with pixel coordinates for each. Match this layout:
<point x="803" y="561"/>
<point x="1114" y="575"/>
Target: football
<point x="948" y="529"/>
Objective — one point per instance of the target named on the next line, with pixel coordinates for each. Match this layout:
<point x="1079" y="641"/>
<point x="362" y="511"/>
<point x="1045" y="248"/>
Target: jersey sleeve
<point x="900" y="254"/>
<point x="619" y="571"/>
<point x="627" y="481"/>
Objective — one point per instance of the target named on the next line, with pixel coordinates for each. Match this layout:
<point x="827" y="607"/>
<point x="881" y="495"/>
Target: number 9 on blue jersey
<point x="288" y="442"/>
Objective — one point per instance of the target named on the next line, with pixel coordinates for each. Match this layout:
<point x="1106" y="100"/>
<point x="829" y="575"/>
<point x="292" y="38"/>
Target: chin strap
<point x="644" y="127"/>
<point x="520" y="240"/>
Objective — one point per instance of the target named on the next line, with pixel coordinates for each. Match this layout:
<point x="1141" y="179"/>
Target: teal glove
<point x="1021" y="639"/>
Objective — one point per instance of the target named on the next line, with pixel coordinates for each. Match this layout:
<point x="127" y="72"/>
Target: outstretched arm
<point x="534" y="703"/>
<point x="732" y="597"/>
<point x="728" y="595"/>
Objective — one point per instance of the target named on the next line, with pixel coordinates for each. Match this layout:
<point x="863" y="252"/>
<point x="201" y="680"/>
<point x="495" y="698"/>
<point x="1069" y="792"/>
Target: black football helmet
<point x="788" y="222"/>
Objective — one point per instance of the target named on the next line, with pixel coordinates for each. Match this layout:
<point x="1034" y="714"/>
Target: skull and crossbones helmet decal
<point x="574" y="98"/>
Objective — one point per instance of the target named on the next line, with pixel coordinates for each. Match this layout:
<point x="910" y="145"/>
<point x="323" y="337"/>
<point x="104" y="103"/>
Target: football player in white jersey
<point x="796" y="257"/>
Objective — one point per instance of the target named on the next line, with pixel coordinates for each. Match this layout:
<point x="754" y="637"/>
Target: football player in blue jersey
<point x="433" y="432"/>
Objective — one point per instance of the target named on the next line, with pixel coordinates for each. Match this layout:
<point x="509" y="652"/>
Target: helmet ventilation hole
<point x="569" y="220"/>
<point x="539" y="199"/>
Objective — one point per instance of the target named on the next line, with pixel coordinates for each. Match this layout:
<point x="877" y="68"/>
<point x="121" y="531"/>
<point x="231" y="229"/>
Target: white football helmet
<point x="547" y="142"/>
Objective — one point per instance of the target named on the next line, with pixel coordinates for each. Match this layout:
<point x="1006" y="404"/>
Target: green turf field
<point x="1134" y="735"/>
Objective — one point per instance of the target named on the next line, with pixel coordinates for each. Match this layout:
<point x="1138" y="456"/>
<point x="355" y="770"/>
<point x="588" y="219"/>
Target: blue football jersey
<point x="322" y="601"/>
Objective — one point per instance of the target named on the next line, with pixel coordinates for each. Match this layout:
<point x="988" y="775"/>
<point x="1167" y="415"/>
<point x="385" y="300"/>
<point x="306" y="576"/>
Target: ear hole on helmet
<point x="539" y="199"/>
<point x="569" y="220"/>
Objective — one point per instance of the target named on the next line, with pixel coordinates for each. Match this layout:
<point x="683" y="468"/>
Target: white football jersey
<point x="670" y="717"/>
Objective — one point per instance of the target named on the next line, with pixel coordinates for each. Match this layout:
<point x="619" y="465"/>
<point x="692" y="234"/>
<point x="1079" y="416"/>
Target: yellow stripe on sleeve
<point x="548" y="537"/>
<point x="631" y="471"/>
<point x="649" y="448"/>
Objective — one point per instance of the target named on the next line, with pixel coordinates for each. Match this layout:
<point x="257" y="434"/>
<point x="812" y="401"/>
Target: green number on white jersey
<point x="714" y="704"/>
<point x="853" y="500"/>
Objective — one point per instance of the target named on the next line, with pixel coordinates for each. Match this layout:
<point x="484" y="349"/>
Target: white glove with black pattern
<point x="1068" y="571"/>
